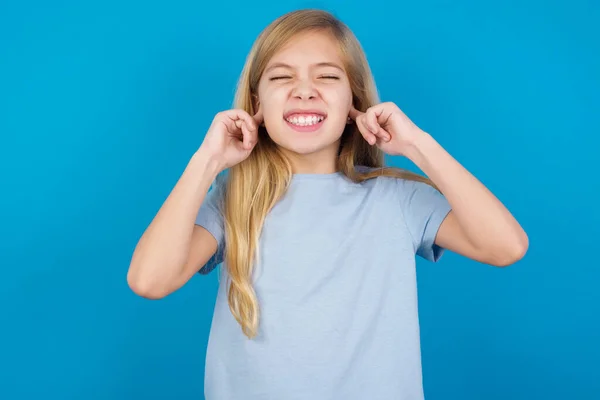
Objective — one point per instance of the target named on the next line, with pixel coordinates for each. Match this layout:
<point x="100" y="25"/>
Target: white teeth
<point x="305" y="120"/>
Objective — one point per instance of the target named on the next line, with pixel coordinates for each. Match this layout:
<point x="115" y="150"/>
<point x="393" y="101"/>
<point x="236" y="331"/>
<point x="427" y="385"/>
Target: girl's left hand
<point x="386" y="126"/>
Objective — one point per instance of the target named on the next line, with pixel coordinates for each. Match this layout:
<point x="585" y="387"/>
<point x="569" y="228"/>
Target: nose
<point x="304" y="90"/>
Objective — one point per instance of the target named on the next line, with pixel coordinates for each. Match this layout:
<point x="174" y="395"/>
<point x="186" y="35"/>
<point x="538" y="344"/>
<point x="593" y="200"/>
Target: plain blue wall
<point x="102" y="104"/>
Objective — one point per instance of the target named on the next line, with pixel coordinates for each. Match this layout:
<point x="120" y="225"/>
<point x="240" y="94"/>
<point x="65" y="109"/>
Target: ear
<point x="350" y="121"/>
<point x="256" y="107"/>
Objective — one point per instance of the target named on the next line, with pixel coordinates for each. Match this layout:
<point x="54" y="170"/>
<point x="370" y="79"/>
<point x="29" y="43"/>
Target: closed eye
<point x="274" y="78"/>
<point x="329" y="77"/>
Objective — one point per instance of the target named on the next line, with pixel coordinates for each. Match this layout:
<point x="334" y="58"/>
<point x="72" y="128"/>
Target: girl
<point x="318" y="295"/>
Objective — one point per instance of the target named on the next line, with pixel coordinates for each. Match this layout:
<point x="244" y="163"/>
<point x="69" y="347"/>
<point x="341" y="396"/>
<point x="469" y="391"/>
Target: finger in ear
<point x="354" y="113"/>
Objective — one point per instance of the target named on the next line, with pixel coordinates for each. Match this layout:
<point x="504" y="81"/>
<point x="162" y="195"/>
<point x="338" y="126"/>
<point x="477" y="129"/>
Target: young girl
<point x="317" y="297"/>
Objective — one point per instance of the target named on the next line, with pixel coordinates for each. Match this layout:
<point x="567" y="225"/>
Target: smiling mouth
<point x="305" y="121"/>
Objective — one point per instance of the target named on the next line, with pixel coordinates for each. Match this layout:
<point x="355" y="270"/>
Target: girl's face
<point x="305" y="97"/>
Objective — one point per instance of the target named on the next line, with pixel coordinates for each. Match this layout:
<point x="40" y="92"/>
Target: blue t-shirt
<point x="336" y="285"/>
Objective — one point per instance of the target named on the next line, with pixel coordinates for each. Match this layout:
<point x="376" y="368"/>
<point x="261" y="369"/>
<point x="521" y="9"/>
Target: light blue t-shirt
<point x="336" y="285"/>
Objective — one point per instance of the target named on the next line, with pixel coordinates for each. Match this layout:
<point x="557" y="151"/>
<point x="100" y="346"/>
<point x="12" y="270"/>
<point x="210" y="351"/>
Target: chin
<point x="307" y="147"/>
<point x="304" y="150"/>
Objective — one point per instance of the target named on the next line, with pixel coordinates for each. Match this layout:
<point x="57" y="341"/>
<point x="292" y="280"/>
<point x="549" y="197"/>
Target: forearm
<point x="163" y="249"/>
<point x="485" y="221"/>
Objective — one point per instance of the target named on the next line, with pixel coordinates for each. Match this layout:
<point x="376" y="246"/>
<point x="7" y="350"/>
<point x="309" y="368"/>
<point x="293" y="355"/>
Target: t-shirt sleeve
<point x="424" y="209"/>
<point x="210" y="217"/>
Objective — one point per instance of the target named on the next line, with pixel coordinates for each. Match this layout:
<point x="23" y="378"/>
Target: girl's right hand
<point x="231" y="137"/>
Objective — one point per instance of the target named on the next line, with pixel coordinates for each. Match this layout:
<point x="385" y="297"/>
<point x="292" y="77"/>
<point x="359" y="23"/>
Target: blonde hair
<point x="255" y="185"/>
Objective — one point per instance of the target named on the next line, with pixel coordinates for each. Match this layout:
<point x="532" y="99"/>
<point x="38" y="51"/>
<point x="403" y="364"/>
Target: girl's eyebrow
<point x="321" y="64"/>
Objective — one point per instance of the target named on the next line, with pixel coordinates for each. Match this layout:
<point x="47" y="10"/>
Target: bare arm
<point x="173" y="248"/>
<point x="479" y="226"/>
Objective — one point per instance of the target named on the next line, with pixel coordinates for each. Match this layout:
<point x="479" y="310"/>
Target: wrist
<point x="419" y="147"/>
<point x="206" y="163"/>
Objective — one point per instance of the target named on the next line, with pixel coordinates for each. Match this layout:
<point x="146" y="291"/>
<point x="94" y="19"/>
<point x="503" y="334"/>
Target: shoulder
<point x="392" y="177"/>
<point x="214" y="200"/>
<point x="218" y="188"/>
<point x="402" y="185"/>
<point x="377" y="184"/>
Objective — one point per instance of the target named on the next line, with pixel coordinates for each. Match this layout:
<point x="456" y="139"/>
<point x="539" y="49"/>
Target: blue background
<point x="103" y="103"/>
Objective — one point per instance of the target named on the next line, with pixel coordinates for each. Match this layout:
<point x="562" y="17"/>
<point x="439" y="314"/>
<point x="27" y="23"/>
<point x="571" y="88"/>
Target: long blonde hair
<point x="255" y="185"/>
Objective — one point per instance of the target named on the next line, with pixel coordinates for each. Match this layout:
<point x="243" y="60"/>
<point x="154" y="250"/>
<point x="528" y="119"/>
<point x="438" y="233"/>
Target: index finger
<point x="251" y="124"/>
<point x="249" y="138"/>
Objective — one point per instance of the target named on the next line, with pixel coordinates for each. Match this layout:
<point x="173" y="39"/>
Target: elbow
<point x="513" y="253"/>
<point x="144" y="287"/>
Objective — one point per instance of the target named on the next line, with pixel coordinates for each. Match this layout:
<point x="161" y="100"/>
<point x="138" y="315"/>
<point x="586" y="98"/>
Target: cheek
<point x="272" y="116"/>
<point x="341" y="98"/>
<point x="272" y="106"/>
<point x="347" y="98"/>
